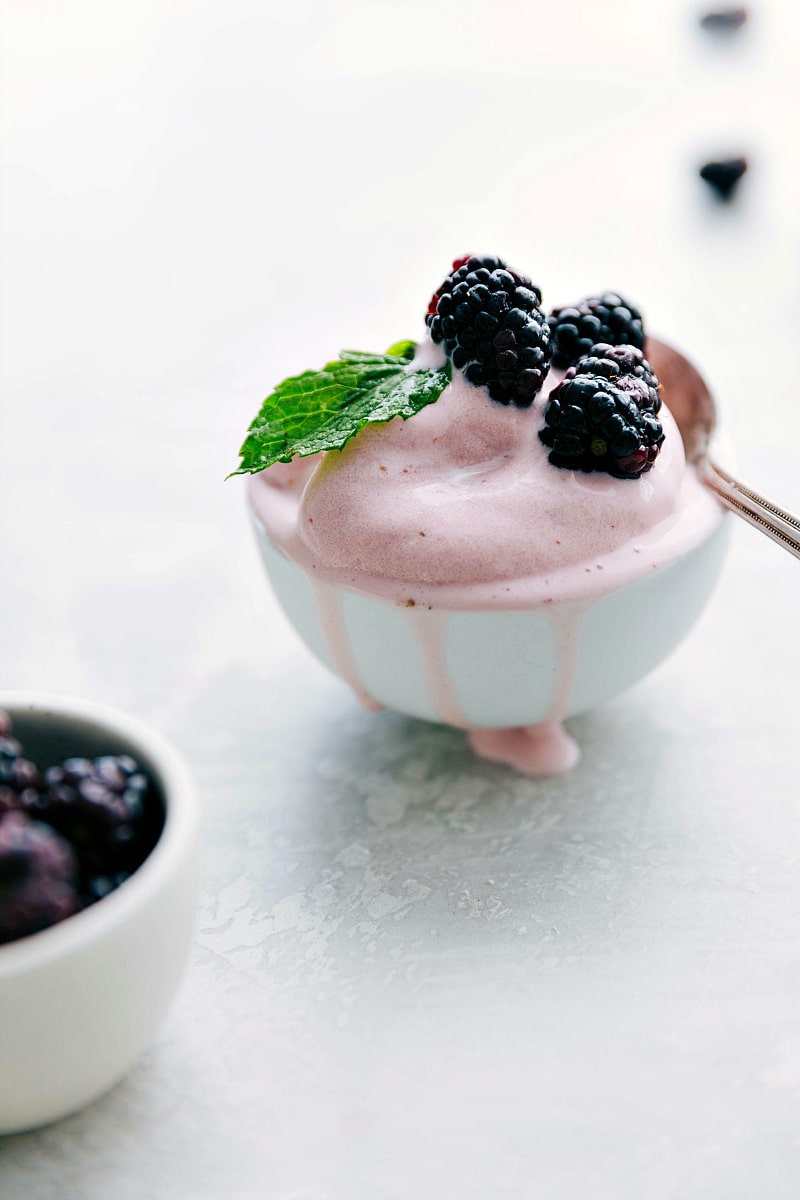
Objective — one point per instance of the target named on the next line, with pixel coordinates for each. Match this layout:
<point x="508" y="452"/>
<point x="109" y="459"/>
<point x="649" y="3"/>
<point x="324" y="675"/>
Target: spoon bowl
<point x="692" y="405"/>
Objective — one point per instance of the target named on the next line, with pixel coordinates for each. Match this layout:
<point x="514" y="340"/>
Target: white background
<point x="415" y="974"/>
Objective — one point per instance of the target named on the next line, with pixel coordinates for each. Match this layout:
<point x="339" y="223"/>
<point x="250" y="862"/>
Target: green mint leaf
<point x="403" y="349"/>
<point x="323" y="410"/>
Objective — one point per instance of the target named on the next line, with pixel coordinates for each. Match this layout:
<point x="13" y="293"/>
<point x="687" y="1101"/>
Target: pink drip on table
<point x="544" y="749"/>
<point x="541" y="749"/>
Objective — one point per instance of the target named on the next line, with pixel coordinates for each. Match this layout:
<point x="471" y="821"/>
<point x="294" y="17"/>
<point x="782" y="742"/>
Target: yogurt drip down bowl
<point x="497" y="670"/>
<point x="81" y="1000"/>
<point x="506" y="659"/>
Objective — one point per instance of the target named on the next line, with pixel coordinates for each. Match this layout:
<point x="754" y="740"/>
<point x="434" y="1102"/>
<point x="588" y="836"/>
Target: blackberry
<point x="19" y="777"/>
<point x="606" y="318"/>
<point x="493" y="328"/>
<point x="724" y="176"/>
<point x="107" y="808"/>
<point x="724" y="20"/>
<point x="37" y="877"/>
<point x="603" y="414"/>
<point x="627" y="367"/>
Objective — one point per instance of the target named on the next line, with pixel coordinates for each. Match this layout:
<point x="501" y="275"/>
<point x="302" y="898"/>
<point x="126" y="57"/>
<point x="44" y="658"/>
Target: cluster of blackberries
<point x="493" y="328"/>
<point x="68" y="835"/>
<point x="491" y="323"/>
<point x="603" y="416"/>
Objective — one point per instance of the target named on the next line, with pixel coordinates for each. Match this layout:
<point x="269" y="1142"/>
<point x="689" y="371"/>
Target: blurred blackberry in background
<point x="493" y="328"/>
<point x="608" y="318"/>
<point x="602" y="416"/>
<point x="723" y="176"/>
<point x="724" y="20"/>
<point x="38" y="873"/>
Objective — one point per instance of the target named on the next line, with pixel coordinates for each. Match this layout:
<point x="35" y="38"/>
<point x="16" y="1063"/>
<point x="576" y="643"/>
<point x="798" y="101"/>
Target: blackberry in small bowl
<point x="38" y="877"/>
<point x="81" y="998"/>
<point x="19" y="777"/>
<point x="108" y="810"/>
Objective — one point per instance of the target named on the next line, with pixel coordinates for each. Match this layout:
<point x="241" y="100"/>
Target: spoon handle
<point x="782" y="526"/>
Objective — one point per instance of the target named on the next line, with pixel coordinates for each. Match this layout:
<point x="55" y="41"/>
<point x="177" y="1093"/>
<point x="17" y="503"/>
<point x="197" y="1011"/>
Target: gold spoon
<point x="691" y="404"/>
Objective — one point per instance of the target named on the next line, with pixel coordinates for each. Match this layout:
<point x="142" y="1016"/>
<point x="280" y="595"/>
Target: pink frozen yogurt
<point x="458" y="510"/>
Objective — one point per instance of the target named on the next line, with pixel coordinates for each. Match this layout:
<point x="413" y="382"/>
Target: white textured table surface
<point x="414" y="974"/>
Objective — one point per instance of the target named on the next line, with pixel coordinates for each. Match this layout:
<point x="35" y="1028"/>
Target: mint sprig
<point x="323" y="410"/>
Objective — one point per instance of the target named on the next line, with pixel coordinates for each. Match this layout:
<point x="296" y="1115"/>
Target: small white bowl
<point x="80" y="1001"/>
<point x="500" y="668"/>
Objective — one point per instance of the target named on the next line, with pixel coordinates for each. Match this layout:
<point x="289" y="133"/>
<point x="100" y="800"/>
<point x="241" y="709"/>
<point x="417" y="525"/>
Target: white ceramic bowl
<point x="80" y="1001"/>
<point x="500" y="669"/>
